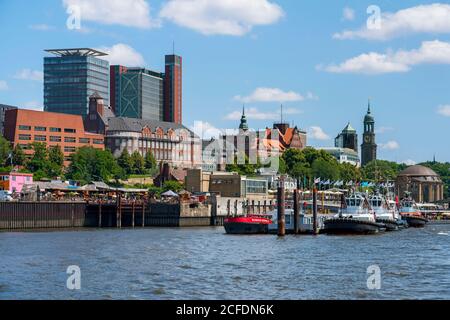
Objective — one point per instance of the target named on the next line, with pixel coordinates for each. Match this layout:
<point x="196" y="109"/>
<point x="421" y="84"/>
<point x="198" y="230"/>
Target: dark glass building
<point x="347" y="139"/>
<point x="137" y="93"/>
<point x="71" y="77"/>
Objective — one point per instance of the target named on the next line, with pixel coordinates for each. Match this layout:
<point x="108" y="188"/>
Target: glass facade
<point x="70" y="80"/>
<point x="138" y="93"/>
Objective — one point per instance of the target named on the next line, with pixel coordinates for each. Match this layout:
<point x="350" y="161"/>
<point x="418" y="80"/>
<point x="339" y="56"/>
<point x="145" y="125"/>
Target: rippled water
<point x="204" y="263"/>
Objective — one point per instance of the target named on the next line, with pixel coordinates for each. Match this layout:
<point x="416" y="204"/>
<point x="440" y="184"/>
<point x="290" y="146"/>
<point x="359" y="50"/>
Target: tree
<point x="150" y="163"/>
<point x="39" y="162"/>
<point x="56" y="161"/>
<point x="18" y="156"/>
<point x="349" y="172"/>
<point x="378" y="170"/>
<point x="325" y="169"/>
<point x="5" y="150"/>
<point x="173" y="185"/>
<point x="137" y="163"/>
<point x="92" y="164"/>
<point x="244" y="169"/>
<point x="125" y="161"/>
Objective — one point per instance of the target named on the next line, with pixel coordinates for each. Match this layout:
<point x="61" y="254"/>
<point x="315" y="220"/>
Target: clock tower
<point x="369" y="146"/>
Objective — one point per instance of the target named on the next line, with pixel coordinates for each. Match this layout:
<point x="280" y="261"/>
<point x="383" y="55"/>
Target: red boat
<point x="251" y="224"/>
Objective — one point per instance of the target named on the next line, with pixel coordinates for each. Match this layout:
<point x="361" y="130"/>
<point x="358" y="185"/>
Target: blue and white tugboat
<point x="356" y="217"/>
<point x="411" y="214"/>
<point x="386" y="212"/>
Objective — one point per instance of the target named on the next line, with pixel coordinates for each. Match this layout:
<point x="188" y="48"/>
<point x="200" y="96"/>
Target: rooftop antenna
<point x="173" y="47"/>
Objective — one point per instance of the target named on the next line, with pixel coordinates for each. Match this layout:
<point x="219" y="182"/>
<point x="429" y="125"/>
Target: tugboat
<point x="411" y="213"/>
<point x="385" y="212"/>
<point x="250" y="224"/>
<point x="356" y="217"/>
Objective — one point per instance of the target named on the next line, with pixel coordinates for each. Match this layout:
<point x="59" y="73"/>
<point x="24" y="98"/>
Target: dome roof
<point x="418" y="171"/>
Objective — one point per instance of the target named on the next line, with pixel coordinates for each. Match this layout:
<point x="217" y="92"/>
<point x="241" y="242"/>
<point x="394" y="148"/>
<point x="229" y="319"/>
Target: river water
<point x="205" y="263"/>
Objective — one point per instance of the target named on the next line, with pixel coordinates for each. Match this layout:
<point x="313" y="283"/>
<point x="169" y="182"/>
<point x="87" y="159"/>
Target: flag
<point x="317" y="180"/>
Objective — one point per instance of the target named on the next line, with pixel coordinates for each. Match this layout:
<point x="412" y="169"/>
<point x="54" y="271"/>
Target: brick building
<point x="23" y="127"/>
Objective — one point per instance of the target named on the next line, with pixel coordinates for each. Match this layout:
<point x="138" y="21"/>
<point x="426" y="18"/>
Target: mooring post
<point x="315" y="226"/>
<point x="133" y="215"/>
<point x="296" y="209"/>
<point x="143" y="213"/>
<point x="100" y="214"/>
<point x="281" y="207"/>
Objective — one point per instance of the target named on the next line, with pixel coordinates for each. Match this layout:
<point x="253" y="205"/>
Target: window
<point x="55" y="139"/>
<point x="69" y="149"/>
<point x="26" y="137"/>
<point x="70" y="139"/>
<point x="13" y="178"/>
<point x="98" y="141"/>
<point x="40" y="138"/>
<point x="26" y="146"/>
<point x="22" y="127"/>
<point x="68" y="130"/>
<point x="55" y="129"/>
<point x="40" y="128"/>
<point x="84" y="140"/>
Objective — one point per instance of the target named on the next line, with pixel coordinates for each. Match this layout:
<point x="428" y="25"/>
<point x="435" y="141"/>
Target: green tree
<point x="150" y="163"/>
<point x="92" y="164"/>
<point x="137" y="163"/>
<point x="380" y="170"/>
<point x="5" y="150"/>
<point x="125" y="161"/>
<point x="245" y="168"/>
<point x="39" y="162"/>
<point x="19" y="157"/>
<point x="349" y="172"/>
<point x="173" y="185"/>
<point x="56" y="161"/>
<point x="325" y="169"/>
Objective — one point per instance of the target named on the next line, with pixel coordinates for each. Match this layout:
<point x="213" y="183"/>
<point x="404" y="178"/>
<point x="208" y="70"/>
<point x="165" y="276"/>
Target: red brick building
<point x="23" y="127"/>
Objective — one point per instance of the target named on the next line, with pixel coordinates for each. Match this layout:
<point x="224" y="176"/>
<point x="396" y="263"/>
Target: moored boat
<point x="356" y="217"/>
<point x="411" y="213"/>
<point x="251" y="224"/>
<point x="385" y="212"/>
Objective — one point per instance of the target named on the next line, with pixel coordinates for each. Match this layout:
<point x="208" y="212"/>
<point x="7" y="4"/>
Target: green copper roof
<point x="349" y="128"/>
<point x="369" y="117"/>
<point x="243" y="125"/>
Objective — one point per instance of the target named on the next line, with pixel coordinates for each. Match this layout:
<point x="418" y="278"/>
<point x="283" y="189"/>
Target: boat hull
<point x="245" y="228"/>
<point x="415" y="222"/>
<point x="351" y="226"/>
<point x="390" y="225"/>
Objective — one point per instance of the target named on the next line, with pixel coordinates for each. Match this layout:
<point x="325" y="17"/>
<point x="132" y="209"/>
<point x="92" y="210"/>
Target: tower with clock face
<point x="369" y="146"/>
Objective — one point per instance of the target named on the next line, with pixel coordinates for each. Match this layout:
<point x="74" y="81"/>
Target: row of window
<point x="38" y="128"/>
<point x="27" y="137"/>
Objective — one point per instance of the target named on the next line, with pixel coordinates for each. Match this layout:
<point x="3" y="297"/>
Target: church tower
<point x="243" y="125"/>
<point x="369" y="146"/>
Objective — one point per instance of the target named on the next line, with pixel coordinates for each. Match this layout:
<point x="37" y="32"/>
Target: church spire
<point x="243" y="126"/>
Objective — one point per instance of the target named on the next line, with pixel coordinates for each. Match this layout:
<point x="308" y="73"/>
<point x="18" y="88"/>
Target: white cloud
<point x="409" y="162"/>
<point x="255" y="114"/>
<point x="317" y="133"/>
<point x="41" y="27"/>
<point x="28" y="74"/>
<point x="3" y="85"/>
<point x="348" y="14"/>
<point x="444" y="110"/>
<point x="433" y="18"/>
<point x="390" y="145"/>
<point x="430" y="52"/>
<point x="223" y="17"/>
<point x="205" y="130"/>
<point x="130" y="13"/>
<point x="124" y="55"/>
<point x="33" y="105"/>
<point x="271" y="95"/>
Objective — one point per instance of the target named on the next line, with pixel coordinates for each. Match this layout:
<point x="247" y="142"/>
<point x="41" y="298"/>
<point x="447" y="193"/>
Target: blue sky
<point x="262" y="53"/>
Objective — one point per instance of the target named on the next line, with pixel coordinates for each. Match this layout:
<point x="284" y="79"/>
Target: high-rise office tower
<point x="137" y="93"/>
<point x="71" y="77"/>
<point x="173" y="104"/>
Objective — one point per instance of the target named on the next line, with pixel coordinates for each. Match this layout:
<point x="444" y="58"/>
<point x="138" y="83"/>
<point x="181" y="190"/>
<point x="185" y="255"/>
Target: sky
<point x="322" y="60"/>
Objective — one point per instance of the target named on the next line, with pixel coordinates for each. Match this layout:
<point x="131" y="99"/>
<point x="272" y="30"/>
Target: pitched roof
<point x="136" y="125"/>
